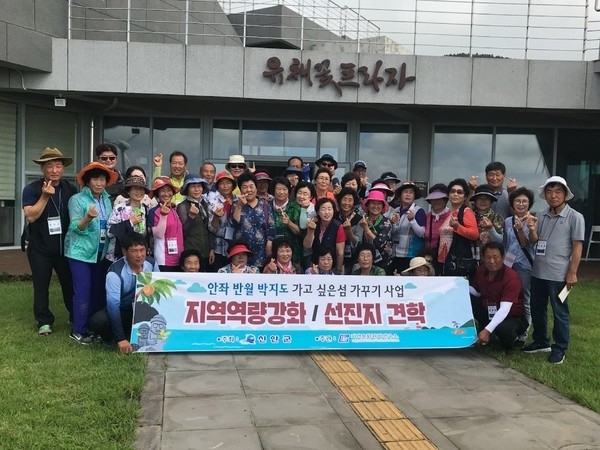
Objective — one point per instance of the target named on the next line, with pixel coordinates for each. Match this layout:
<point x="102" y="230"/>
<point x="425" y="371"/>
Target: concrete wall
<point x="236" y="72"/>
<point x="26" y="31"/>
<point x="157" y="21"/>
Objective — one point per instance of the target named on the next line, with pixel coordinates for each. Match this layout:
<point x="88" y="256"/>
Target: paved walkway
<point x="457" y="399"/>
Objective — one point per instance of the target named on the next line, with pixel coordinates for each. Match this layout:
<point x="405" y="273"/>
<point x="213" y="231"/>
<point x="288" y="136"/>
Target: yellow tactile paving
<point x="387" y="423"/>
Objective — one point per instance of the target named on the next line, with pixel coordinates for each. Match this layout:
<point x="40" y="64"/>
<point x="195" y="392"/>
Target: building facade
<point x="210" y="93"/>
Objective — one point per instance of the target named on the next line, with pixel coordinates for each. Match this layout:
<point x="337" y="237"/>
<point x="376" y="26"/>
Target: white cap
<point x="559" y="180"/>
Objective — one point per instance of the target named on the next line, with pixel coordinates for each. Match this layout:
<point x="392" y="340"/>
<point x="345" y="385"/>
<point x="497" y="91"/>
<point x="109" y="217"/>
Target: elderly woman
<point x="458" y="233"/>
<point x="189" y="260"/>
<point x="377" y="229"/>
<point x="419" y="267"/>
<point x="490" y="223"/>
<point x="325" y="230"/>
<point x="365" y="256"/>
<point x="408" y="227"/>
<point x="220" y="206"/>
<point x="166" y="226"/>
<point x="322" y="183"/>
<point x="325" y="260"/>
<point x="85" y="245"/>
<point x="193" y="214"/>
<point x="128" y="216"/>
<point x="238" y="255"/>
<point x="519" y="253"/>
<point x="252" y="218"/>
<point x="349" y="203"/>
<point x="438" y="199"/>
<point x="136" y="171"/>
<point x="350" y="180"/>
<point x="282" y="258"/>
<point x="286" y="214"/>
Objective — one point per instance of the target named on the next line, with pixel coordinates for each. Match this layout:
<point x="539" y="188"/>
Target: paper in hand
<point x="562" y="296"/>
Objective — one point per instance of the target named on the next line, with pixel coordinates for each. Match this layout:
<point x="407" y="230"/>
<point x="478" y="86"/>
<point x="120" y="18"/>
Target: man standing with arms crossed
<point x="558" y="237"/>
<point x="45" y="207"/>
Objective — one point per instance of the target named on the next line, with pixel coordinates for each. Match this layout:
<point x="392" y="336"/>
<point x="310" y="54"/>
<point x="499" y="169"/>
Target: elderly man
<point x="107" y="155"/>
<point x="178" y="166"/>
<point x="45" y="207"/>
<point x="497" y="299"/>
<point x="558" y="237"/>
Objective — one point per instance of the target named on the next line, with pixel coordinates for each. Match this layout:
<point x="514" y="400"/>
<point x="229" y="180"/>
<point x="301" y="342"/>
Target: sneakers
<point x="534" y="347"/>
<point x="45" y="330"/>
<point x="80" y="338"/>
<point x="556" y="356"/>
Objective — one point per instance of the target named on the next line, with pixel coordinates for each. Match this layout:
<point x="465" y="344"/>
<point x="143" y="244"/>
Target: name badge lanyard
<point x="58" y="210"/>
<point x="103" y="218"/>
<point x="551" y="229"/>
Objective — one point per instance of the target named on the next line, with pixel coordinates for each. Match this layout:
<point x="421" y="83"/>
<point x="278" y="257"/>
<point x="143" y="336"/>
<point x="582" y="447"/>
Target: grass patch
<point x="577" y="377"/>
<point x="56" y="393"/>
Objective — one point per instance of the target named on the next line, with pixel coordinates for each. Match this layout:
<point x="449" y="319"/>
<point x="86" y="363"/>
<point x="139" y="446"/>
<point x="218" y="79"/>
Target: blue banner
<point x="176" y="312"/>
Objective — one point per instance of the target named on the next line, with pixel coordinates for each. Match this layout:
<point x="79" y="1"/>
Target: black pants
<point x="507" y="331"/>
<point x="41" y="270"/>
<point x="100" y="323"/>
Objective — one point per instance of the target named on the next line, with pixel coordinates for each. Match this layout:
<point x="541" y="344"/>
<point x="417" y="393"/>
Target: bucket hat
<point x="484" y="190"/>
<point x="262" y="176"/>
<point x="409" y="185"/>
<point x="236" y="159"/>
<point x="111" y="175"/>
<point x="555" y="179"/>
<point x="293" y="170"/>
<point x="52" y="154"/>
<point x="376" y="196"/>
<point x="418" y="261"/>
<point x="359" y="164"/>
<point x="160" y="182"/>
<point x="327" y="157"/>
<point x="193" y="179"/>
<point x="224" y="174"/>
<point x="134" y="181"/>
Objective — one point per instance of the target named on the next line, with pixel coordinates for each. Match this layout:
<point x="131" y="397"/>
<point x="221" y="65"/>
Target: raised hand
<point x="158" y="160"/>
<point x="453" y="222"/>
<point x="314" y="269"/>
<point x="311" y="224"/>
<point x="485" y="223"/>
<point x="511" y="185"/>
<point x="518" y="224"/>
<point x="219" y="211"/>
<point x="285" y="219"/>
<point x="272" y="265"/>
<point x="135" y="218"/>
<point x="92" y="211"/>
<point x="531" y="222"/>
<point x="473" y="181"/>
<point x="194" y="210"/>
<point x="165" y="208"/>
<point x="252" y="169"/>
<point x="47" y="189"/>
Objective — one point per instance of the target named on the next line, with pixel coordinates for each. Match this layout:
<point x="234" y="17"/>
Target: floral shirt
<point x="247" y="269"/>
<point x="382" y="227"/>
<point x="119" y="225"/>
<point x="256" y="227"/>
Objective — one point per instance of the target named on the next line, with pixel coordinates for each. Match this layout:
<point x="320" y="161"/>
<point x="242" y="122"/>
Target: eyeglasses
<point x="237" y="166"/>
<point x="521" y="202"/>
<point x="457" y="191"/>
<point x="107" y="158"/>
<point x="326" y="164"/>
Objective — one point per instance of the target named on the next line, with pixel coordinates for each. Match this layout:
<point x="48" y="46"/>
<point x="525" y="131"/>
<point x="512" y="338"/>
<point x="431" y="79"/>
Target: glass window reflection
<point x="181" y="135"/>
<point x="281" y="139"/>
<point x="333" y="140"/>
<point x="225" y="138"/>
<point x="384" y="147"/>
<point x="132" y="136"/>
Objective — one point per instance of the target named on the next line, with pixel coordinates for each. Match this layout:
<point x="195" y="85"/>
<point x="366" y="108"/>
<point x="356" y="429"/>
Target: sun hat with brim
<point x="390" y="178"/>
<point x="409" y="185"/>
<point x="484" y="190"/>
<point x="194" y="179"/>
<point x="360" y="164"/>
<point x="381" y="187"/>
<point x="53" y="154"/>
<point x="236" y="159"/>
<point x="161" y="182"/>
<point x="238" y="248"/>
<point x="262" y="176"/>
<point x="327" y="157"/>
<point x="111" y="175"/>
<point x="134" y="181"/>
<point x="293" y="170"/>
<point x="418" y="261"/>
<point x="375" y="196"/>
<point x="437" y="191"/>
<point x="225" y="175"/>
<point x="555" y="179"/>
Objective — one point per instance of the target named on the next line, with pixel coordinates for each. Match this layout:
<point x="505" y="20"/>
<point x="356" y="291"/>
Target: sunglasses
<point x="326" y="164"/>
<point x="457" y="191"/>
<point x="237" y="166"/>
<point x="107" y="158"/>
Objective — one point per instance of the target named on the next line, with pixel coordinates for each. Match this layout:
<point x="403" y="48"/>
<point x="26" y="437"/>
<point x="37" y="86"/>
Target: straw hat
<point x="53" y="154"/>
<point x="418" y="261"/>
<point x="111" y="175"/>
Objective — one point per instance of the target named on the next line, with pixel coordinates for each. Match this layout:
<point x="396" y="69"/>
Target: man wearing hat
<point x="329" y="163"/>
<point x="360" y="169"/>
<point x="236" y="165"/>
<point x="45" y="204"/>
<point x="558" y="237"/>
<point x="490" y="223"/>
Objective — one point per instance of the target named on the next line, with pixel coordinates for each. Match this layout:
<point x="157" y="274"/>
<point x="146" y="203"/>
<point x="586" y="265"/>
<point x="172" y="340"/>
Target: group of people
<point x="243" y="220"/>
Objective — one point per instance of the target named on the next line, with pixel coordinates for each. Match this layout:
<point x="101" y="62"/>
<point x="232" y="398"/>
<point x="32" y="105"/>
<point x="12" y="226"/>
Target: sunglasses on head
<point x="107" y="158"/>
<point x="237" y="166"/>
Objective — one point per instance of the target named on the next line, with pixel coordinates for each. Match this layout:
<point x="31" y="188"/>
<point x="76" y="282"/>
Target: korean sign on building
<point x="346" y="76"/>
<point x="216" y="312"/>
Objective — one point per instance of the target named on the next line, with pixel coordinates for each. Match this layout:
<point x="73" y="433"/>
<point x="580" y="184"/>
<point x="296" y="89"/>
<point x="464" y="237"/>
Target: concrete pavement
<point x="457" y="399"/>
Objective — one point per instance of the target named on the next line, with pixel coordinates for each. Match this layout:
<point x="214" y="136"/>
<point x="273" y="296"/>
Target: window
<point x="225" y="138"/>
<point x="384" y="147"/>
<point x="132" y="137"/>
<point x="183" y="135"/>
<point x="280" y="139"/>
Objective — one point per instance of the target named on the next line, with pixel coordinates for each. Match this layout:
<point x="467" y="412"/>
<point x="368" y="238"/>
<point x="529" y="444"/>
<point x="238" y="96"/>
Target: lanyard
<point x="551" y="230"/>
<point x="58" y="208"/>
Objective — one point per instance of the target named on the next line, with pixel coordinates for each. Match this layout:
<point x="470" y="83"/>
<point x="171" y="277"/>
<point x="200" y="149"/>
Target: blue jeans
<point x="525" y="276"/>
<point x="541" y="291"/>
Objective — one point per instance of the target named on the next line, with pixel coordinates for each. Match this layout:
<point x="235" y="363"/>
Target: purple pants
<point x="88" y="279"/>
